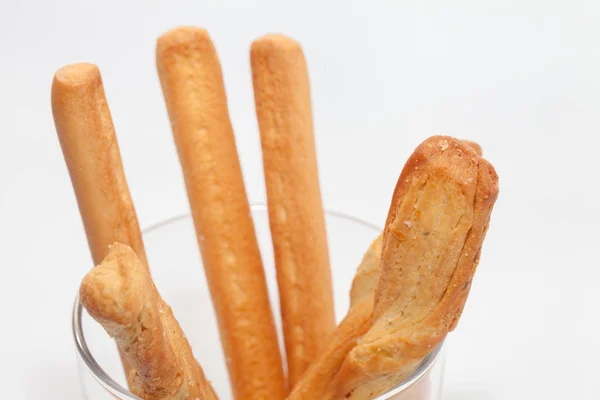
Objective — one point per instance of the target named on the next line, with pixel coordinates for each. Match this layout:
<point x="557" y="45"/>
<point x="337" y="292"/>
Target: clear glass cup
<point x="177" y="270"/>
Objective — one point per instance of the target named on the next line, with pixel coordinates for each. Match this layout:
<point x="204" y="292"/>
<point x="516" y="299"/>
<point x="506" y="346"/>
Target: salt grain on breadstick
<point x="283" y="108"/>
<point x="121" y="296"/>
<point x="194" y="92"/>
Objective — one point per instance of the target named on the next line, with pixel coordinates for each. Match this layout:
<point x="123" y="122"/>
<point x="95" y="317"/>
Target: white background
<point x="520" y="77"/>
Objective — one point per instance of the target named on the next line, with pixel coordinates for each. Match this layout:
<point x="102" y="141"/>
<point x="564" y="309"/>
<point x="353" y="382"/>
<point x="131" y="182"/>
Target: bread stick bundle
<point x="192" y="84"/>
<point x="120" y="295"/>
<point x="283" y="108"/>
<point x="408" y="292"/>
<point x="89" y="144"/>
<point x="432" y="241"/>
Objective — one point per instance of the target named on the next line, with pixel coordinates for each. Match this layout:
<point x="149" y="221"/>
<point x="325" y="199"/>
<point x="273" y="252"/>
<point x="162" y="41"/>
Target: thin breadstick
<point x="283" y="108"/>
<point x="87" y="137"/>
<point x="120" y="295"/>
<point x="431" y="245"/>
<point x="91" y="151"/>
<point x="316" y="382"/>
<point x="192" y="84"/>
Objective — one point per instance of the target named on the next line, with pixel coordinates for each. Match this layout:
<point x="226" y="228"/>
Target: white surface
<point x="520" y="77"/>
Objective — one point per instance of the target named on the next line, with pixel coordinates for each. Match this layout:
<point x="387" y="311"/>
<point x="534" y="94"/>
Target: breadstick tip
<point x="274" y="42"/>
<point x="72" y="83"/>
<point x="76" y="75"/>
<point x="180" y="37"/>
<point x="111" y="280"/>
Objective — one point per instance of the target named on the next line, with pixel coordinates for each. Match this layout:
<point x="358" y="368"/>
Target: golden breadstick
<point x="87" y="137"/>
<point x="431" y="244"/>
<point x="121" y="296"/>
<point x="192" y="84"/>
<point x="91" y="151"/>
<point x="283" y="109"/>
<point x="316" y="382"/>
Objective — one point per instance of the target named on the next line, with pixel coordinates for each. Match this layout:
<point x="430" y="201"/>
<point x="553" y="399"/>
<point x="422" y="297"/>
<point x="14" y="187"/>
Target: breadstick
<point x="87" y="137"/>
<point x="192" y="84"/>
<point x="91" y="151"/>
<point x="431" y="245"/>
<point x="121" y="296"/>
<point x="316" y="382"/>
<point x="282" y="97"/>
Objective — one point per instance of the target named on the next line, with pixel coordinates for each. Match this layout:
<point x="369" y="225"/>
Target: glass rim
<point x="116" y="389"/>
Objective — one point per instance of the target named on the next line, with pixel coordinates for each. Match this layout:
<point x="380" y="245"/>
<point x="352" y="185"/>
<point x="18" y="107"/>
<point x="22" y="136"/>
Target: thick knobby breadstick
<point x="316" y="382"/>
<point x="192" y="84"/>
<point x="431" y="245"/>
<point x="87" y="137"/>
<point x="121" y="296"/>
<point x="283" y="109"/>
